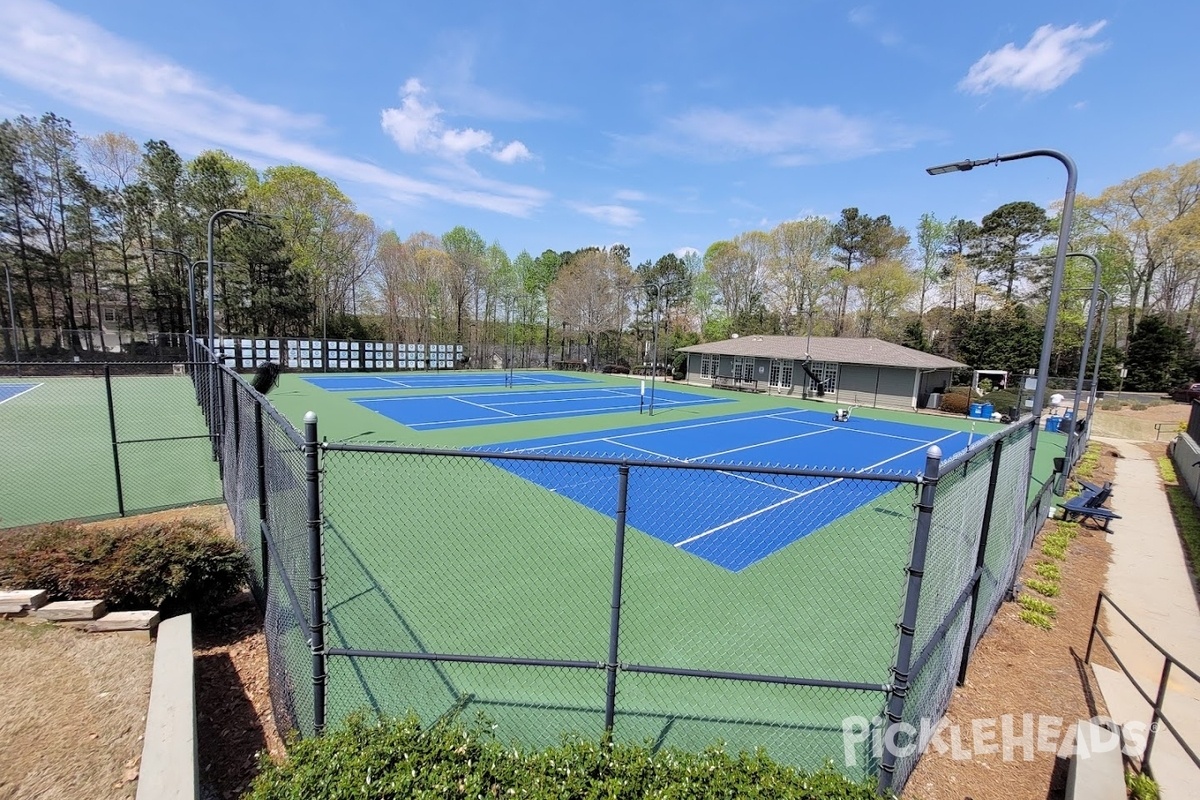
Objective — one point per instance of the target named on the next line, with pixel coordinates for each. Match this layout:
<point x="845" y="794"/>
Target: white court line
<point x="633" y="434"/>
<point x="401" y="384"/>
<point x="855" y="430"/>
<point x="481" y="405"/>
<point x="834" y="482"/>
<point x="762" y="444"/>
<point x="18" y="394"/>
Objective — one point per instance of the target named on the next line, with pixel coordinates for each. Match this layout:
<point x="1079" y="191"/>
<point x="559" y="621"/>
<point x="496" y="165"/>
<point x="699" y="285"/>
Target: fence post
<point x="263" y="507"/>
<point x="1087" y="658"/>
<point x="981" y="556"/>
<point x="112" y="432"/>
<point x="614" y="629"/>
<point x="316" y="566"/>
<point x="908" y="622"/>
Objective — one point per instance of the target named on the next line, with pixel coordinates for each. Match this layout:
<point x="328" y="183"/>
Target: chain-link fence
<point x="822" y="614"/>
<point x="86" y="440"/>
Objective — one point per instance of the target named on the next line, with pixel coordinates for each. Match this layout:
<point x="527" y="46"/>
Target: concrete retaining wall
<point x="170" y="767"/>
<point x="1185" y="453"/>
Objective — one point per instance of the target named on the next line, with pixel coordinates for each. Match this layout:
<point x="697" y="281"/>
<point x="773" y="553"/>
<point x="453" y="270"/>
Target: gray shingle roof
<point x="843" y="350"/>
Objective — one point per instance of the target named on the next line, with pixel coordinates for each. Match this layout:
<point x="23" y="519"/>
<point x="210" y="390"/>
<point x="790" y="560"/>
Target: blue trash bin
<point x="1052" y="424"/>
<point x="987" y="410"/>
<point x="976" y="410"/>
<point x="1068" y="415"/>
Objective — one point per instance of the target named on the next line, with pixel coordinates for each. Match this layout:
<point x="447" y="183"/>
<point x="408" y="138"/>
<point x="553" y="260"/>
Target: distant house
<point x="862" y="372"/>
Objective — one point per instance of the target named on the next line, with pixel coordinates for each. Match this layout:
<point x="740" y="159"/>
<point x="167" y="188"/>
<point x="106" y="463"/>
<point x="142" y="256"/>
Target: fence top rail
<point x="257" y="397"/>
<point x="1174" y="661"/>
<point x="803" y="472"/>
<point x="985" y="444"/>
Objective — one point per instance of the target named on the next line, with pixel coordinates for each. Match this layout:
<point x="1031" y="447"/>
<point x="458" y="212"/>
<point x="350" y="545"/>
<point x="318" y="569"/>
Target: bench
<point x="1090" y="505"/>
<point x="722" y="382"/>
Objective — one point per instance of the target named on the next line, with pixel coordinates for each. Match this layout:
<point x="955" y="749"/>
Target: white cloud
<point x="864" y="17"/>
<point x="1051" y="57"/>
<point x="73" y="60"/>
<point x="417" y="127"/>
<point x="787" y="135"/>
<point x="684" y="252"/>
<point x="630" y="196"/>
<point x="616" y="215"/>
<point x="1186" y="141"/>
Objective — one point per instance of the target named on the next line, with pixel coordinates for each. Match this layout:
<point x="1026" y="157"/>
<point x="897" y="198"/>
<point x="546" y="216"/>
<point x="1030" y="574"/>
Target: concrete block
<point x="1097" y="771"/>
<point x="23" y="600"/>
<point x="72" y="610"/>
<point x="124" y="621"/>
<point x="170" y="767"/>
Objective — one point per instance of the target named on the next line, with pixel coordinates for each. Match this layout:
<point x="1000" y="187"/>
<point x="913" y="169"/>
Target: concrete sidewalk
<point x="1149" y="579"/>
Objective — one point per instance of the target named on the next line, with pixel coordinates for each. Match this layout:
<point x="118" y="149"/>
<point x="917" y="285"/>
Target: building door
<point x="781" y="375"/>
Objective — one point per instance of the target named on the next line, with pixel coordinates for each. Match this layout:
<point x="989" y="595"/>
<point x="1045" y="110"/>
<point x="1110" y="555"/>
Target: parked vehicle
<point x="1186" y="394"/>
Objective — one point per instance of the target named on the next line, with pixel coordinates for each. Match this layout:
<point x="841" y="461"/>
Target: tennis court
<point x="438" y="380"/>
<point x="735" y="520"/>
<point x="432" y="412"/>
<point x="10" y="390"/>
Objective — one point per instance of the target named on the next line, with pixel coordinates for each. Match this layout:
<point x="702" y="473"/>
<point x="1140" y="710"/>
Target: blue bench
<point x="1090" y="504"/>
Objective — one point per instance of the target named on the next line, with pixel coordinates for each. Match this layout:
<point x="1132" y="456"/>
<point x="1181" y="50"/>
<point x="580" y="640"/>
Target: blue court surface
<point x="439" y="380"/>
<point x="431" y="412"/>
<point x="736" y="519"/>
<point x="10" y="390"/>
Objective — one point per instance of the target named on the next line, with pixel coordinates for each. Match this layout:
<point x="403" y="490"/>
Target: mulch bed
<point x="1018" y="669"/>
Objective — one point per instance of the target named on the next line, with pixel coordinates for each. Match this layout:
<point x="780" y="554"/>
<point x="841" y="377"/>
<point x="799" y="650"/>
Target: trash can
<point x="975" y="410"/>
<point x="1052" y="424"/>
<point x="1068" y="415"/>
<point x="987" y="411"/>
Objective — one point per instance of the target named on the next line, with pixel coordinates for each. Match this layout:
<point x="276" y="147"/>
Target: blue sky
<point x="661" y="125"/>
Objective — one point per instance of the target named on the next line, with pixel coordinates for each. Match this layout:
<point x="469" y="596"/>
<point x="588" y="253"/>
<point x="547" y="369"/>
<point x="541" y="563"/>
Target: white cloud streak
<point x="1186" y="141"/>
<point x="1050" y="58"/>
<point x="616" y="215"/>
<point x="77" y="62"/>
<point x="786" y="135"/>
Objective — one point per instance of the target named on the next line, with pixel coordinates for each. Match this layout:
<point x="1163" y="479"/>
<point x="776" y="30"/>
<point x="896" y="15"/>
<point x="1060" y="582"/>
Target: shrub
<point x="1110" y="405"/>
<point x="1138" y="407"/>
<point x="1141" y="786"/>
<point x="176" y="567"/>
<point x="616" y="369"/>
<point x="1037" y="605"/>
<point x="401" y="758"/>
<point x="1036" y="619"/>
<point x="1049" y="571"/>
<point x="1044" y="588"/>
<point x="955" y="403"/>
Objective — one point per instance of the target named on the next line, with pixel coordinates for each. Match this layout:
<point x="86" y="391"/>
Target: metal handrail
<point x="1156" y="702"/>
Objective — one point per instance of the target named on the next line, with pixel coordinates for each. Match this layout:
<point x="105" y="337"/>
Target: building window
<point x="743" y="368"/>
<point x="708" y="365"/>
<point x="110" y="315"/>
<point x="826" y="372"/>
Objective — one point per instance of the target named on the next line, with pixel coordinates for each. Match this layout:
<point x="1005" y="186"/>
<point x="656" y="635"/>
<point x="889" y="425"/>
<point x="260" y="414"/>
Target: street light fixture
<point x="658" y="290"/>
<point x="245" y="215"/>
<point x="1060" y="255"/>
<point x="191" y="291"/>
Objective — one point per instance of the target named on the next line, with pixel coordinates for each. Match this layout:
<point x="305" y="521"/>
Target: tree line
<point x="99" y="232"/>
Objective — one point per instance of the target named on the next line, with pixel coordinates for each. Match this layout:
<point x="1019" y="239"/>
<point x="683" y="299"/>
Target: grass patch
<point x="1035" y="619"/>
<point x="1036" y="604"/>
<point x="1141" y="786"/>
<point x="1187" y="516"/>
<point x="1049" y="571"/>
<point x="1042" y="587"/>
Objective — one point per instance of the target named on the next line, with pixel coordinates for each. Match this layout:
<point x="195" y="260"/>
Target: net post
<point x="980" y="556"/>
<point x="908" y="622"/>
<point x="316" y="576"/>
<point x="112" y="432"/>
<point x="614" y="629"/>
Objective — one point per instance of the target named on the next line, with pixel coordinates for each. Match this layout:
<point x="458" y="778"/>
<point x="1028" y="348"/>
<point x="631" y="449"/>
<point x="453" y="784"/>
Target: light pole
<point x="12" y="319"/>
<point x="191" y="291"/>
<point x="658" y="290"/>
<point x="1072" y="436"/>
<point x="245" y="215"/>
<point x="1060" y="256"/>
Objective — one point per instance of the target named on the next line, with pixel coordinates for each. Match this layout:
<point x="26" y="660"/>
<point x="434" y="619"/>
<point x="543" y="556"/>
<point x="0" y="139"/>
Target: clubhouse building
<point x="853" y="372"/>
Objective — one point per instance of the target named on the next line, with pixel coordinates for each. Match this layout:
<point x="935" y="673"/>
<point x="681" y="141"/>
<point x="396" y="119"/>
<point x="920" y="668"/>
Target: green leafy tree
<point x="1159" y="356"/>
<point x="1008" y="233"/>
